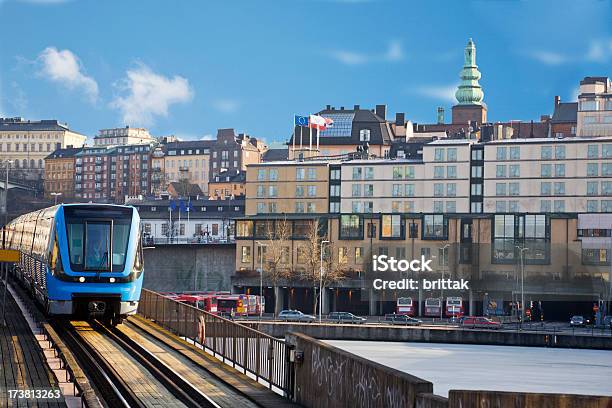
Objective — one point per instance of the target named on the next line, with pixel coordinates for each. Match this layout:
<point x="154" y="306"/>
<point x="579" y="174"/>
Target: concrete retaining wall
<point x="498" y="399"/>
<point x="434" y="335"/>
<point x="171" y="268"/>
<point x="331" y="377"/>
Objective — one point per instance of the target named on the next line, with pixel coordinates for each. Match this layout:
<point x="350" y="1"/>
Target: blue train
<point x="80" y="259"/>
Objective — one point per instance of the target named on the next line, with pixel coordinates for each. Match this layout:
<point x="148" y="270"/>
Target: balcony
<point x="183" y="168"/>
<point x="98" y="169"/>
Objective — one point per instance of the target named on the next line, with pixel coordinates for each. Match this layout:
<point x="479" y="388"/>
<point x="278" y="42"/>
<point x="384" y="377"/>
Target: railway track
<point x="125" y="373"/>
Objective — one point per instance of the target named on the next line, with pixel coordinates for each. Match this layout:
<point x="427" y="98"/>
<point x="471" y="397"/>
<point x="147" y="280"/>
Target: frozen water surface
<point x="501" y="368"/>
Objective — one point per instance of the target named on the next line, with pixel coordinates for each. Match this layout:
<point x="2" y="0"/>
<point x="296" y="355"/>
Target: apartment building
<point x="60" y="172"/>
<point x="549" y="175"/>
<point x="595" y="107"/>
<point x="28" y="142"/>
<point x="189" y="160"/>
<point x="227" y="184"/>
<point x="288" y="187"/>
<point x="454" y="204"/>
<point x="123" y="136"/>
<point x="231" y="152"/>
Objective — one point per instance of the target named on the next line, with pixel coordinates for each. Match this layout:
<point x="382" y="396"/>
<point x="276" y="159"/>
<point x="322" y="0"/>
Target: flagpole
<point x="318" y="133"/>
<point x="310" y="129"/>
<point x="179" y="222"/>
<point x="170" y="226"/>
<point x="294" y="136"/>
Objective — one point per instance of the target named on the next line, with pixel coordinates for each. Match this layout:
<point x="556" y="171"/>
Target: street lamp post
<point x="260" y="245"/>
<point x="55" y="195"/>
<point x="442" y="286"/>
<point x="5" y="265"/>
<point x="321" y="281"/>
<point x="522" y="249"/>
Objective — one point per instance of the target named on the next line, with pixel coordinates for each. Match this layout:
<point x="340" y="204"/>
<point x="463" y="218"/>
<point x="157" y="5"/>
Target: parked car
<point x="578" y="321"/>
<point x="345" y="317"/>
<point x="480" y="323"/>
<point x="402" y="319"/>
<point x="295" y="316"/>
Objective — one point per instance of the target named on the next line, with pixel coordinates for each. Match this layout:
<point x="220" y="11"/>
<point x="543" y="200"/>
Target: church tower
<point x="469" y="94"/>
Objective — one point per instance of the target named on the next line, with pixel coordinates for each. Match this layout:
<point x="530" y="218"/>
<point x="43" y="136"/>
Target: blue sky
<point x="190" y="67"/>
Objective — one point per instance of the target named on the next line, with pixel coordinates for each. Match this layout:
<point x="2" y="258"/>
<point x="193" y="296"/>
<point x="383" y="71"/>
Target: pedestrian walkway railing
<point x="262" y="357"/>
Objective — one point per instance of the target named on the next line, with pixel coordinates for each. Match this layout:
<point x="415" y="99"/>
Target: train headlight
<point x="82" y="279"/>
<point x="112" y="280"/>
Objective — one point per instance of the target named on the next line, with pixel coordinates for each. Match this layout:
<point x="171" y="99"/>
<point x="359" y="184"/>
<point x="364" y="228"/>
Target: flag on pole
<point x="319" y="122"/>
<point x="301" y="120"/>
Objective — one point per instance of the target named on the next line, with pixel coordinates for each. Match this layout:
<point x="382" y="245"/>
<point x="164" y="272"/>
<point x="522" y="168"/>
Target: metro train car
<point x="83" y="260"/>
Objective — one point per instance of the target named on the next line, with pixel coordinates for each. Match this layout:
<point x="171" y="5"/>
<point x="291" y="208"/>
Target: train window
<point x="75" y="242"/>
<point x="121" y="233"/>
<point x="96" y="253"/>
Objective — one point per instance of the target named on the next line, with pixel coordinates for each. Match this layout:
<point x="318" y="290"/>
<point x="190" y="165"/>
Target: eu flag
<point x="301" y="120"/>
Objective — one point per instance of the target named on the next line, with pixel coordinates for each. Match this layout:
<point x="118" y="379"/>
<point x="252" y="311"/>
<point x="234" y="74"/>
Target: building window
<point x="515" y="153"/>
<point x="438" y="190"/>
<point x="451" y="206"/>
<point x="398" y="172"/>
<point x="299" y="191"/>
<point x="244" y="229"/>
<point x="435" y="226"/>
<point x="451" y="172"/>
<point x="261" y="174"/>
<point x="311" y="207"/>
<point x="592" y="169"/>
<point x="501" y="153"/>
<point x="593" y="151"/>
<point x="358" y="255"/>
<point x="545" y="206"/>
<point x="591" y="206"/>
<point x="515" y="170"/>
<point x="559" y="152"/>
<point x="546" y="170"/>
<point x="438" y="206"/>
<point x="299" y="207"/>
<point x="438" y="172"/>
<point x="476" y="189"/>
<point x="592" y="188"/>
<point x="606" y="206"/>
<point x="606" y="151"/>
<point x="477" y="154"/>
<point x="500" y="171"/>
<point x="334" y="207"/>
<point x="560" y="170"/>
<point x="312" y="173"/>
<point x="514" y="189"/>
<point x="606" y="169"/>
<point x="395" y="206"/>
<point x="513" y="206"/>
<point x="356" y="206"/>
<point x="261" y="208"/>
<point x="368" y="190"/>
<point x="369" y="173"/>
<point x="368" y="207"/>
<point x="410" y="172"/>
<point x="351" y="227"/>
<point x="391" y="226"/>
<point x="364" y="135"/>
<point x="261" y="191"/>
<point x="335" y="174"/>
<point x="545" y="188"/>
<point x="559" y="188"/>
<point x="451" y="154"/>
<point x="273" y="174"/>
<point x="546" y="153"/>
<point x="500" y="189"/>
<point x="356" y="190"/>
<point x="451" y="190"/>
<point x="356" y="173"/>
<point x="606" y="188"/>
<point x="559" y="206"/>
<point x="476" y="171"/>
<point x="500" y="207"/>
<point x="272" y="191"/>
<point x="595" y="257"/>
<point x="409" y="190"/>
<point x="334" y="191"/>
<point x="439" y="154"/>
<point x="300" y="173"/>
<point x="245" y="256"/>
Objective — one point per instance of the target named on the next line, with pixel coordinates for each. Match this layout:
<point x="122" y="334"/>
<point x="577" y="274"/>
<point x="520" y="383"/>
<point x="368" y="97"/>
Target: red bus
<point x="433" y="307"/>
<point x="203" y="302"/>
<point x="405" y="306"/>
<point x="454" y="307"/>
<point x="238" y="303"/>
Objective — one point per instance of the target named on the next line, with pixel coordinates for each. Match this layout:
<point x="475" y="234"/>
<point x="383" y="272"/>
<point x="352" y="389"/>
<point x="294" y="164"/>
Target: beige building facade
<point x="595" y="107"/>
<point x="27" y="142"/>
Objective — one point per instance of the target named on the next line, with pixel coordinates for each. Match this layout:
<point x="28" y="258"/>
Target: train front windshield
<point x="93" y="234"/>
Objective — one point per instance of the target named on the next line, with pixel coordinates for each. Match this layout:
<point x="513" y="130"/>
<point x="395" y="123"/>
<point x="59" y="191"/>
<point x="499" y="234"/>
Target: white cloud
<point x="65" y="68"/>
<point x="548" y="57"/>
<point x="441" y="93"/>
<point x="600" y="50"/>
<point x="149" y="95"/>
<point x="226" y="105"/>
<point x="393" y="53"/>
<point x="208" y="136"/>
<point x="574" y="94"/>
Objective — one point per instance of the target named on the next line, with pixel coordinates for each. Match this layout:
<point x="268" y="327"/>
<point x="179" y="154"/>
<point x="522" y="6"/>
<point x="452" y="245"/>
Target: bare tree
<point x="335" y="268"/>
<point x="277" y="258"/>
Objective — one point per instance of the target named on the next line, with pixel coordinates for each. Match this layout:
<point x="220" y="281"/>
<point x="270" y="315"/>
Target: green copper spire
<point x="470" y="91"/>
